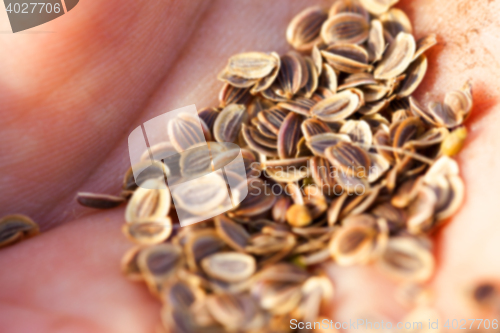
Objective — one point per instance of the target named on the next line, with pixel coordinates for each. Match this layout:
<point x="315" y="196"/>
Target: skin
<point x="73" y="89"/>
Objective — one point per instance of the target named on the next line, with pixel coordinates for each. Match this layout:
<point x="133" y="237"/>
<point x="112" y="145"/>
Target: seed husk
<point x="15" y="228"/>
<point x="345" y="28"/>
<point x="149" y="202"/>
<point x="229" y="266"/>
<point x="376" y="41"/>
<point x="228" y="123"/>
<point x="147" y="232"/>
<point x="290" y="76"/>
<point x="407" y="259"/>
<point x="251" y="65"/>
<point x="350" y="159"/>
<point x="232" y="233"/>
<point x="304" y="29"/>
<point x="339" y="106"/>
<point x="414" y="76"/>
<point x="348" y="58"/>
<point x="425" y="43"/>
<point x="184" y="132"/>
<point x="158" y="263"/>
<point x="397" y="58"/>
<point x="312" y="127"/>
<point x="359" y="131"/>
<point x="396" y="21"/>
<point x="320" y="142"/>
<point x="99" y="201"/>
<point x="289" y="136"/>
<point x="266" y="82"/>
<point x="328" y="80"/>
<point x="299" y="105"/>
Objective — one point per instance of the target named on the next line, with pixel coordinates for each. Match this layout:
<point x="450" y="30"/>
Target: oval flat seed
<point x="350" y="159"/>
<point x="320" y="142"/>
<point x="338" y="107"/>
<point x="289" y="136"/>
<point x="345" y="28"/>
<point x="272" y="118"/>
<point x="414" y="76"/>
<point x="203" y="196"/>
<point x="201" y="244"/>
<point x="150" y="201"/>
<point x="328" y="80"/>
<point x="359" y="131"/>
<point x="251" y="65"/>
<point x="184" y="131"/>
<point x="407" y="259"/>
<point x="376" y="41"/>
<point x="259" y="199"/>
<point x="348" y="58"/>
<point x="228" y="123"/>
<point x="289" y="76"/>
<point x="159" y="262"/>
<point x="378" y="7"/>
<point x="235" y="80"/>
<point x="312" y="127"/>
<point x="148" y="232"/>
<point x="249" y="135"/>
<point x="348" y="6"/>
<point x="228" y="95"/>
<point x="299" y="105"/>
<point x="14" y="228"/>
<point x="232" y="233"/>
<point x="396" y="21"/>
<point x="313" y="78"/>
<point x="99" y="201"/>
<point x="397" y="58"/>
<point x="304" y="29"/>
<point x="268" y="80"/>
<point x="353" y="245"/>
<point x="229" y="266"/>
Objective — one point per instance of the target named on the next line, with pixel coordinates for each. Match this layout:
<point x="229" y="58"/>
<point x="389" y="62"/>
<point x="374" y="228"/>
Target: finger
<point x="69" y="96"/>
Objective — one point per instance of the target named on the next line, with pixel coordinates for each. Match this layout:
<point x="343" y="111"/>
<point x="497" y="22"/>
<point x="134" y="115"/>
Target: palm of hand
<point x="70" y="98"/>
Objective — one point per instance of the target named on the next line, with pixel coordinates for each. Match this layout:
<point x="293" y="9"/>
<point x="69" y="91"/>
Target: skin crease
<point x="73" y="89"/>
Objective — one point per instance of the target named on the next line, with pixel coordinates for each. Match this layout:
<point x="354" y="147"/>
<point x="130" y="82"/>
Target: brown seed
<point x="268" y="80"/>
<point x="273" y="118"/>
<point x="250" y="134"/>
<point x="303" y="31"/>
<point x="184" y="132"/>
<point x="280" y="209"/>
<point x="414" y="76"/>
<point x="200" y="244"/>
<point x="397" y="58"/>
<point x="312" y="127"/>
<point x="299" y="105"/>
<point x="206" y="195"/>
<point x="99" y="201"/>
<point x="396" y="21"/>
<point x="338" y="107"/>
<point x="313" y="78"/>
<point x="421" y="211"/>
<point x="251" y="65"/>
<point x="407" y="259"/>
<point x="149" y="202"/>
<point x="148" y="232"/>
<point x="228" y="123"/>
<point x="328" y="80"/>
<point x="345" y="28"/>
<point x="232" y="233"/>
<point x="15" y="228"/>
<point x="349" y="159"/>
<point x="229" y="266"/>
<point x="353" y="244"/>
<point x="348" y="58"/>
<point x="376" y="41"/>
<point x="233" y="311"/>
<point x="289" y="136"/>
<point x="298" y="216"/>
<point x="320" y="142"/>
<point x="259" y="199"/>
<point x="290" y="76"/>
<point x="228" y="95"/>
<point x="158" y="263"/>
<point x="235" y="80"/>
<point x="288" y="170"/>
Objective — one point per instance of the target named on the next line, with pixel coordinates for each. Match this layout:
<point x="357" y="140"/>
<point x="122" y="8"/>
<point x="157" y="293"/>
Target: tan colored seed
<point x="251" y="65"/>
<point x="397" y="58"/>
<point x="303" y="31"/>
<point x="149" y="202"/>
<point x="15" y="228"/>
<point x="229" y="266"/>
<point x="345" y="28"/>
